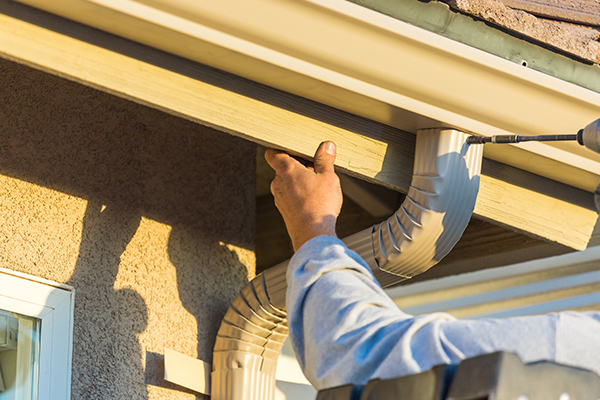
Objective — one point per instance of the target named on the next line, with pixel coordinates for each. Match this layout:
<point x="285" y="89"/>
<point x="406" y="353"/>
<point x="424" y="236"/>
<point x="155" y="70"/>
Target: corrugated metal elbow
<point x="250" y="339"/>
<point x="435" y="213"/>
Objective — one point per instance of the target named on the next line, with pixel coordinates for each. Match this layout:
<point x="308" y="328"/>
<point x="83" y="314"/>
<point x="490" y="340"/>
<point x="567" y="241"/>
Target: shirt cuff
<point x="313" y="247"/>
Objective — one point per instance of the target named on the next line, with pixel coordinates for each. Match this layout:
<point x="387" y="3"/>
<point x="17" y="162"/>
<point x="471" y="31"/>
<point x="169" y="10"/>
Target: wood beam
<point x="368" y="150"/>
<point x="375" y="200"/>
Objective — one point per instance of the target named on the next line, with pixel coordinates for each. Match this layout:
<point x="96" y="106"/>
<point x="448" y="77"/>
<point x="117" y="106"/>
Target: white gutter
<point x="364" y="62"/>
<point x="566" y="282"/>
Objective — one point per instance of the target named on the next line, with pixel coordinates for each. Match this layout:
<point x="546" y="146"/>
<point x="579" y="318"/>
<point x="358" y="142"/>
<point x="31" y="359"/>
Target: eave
<point x="344" y="56"/>
<point x="366" y="63"/>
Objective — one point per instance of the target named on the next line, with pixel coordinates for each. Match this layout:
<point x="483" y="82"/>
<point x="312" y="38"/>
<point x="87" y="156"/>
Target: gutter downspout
<point x="431" y="220"/>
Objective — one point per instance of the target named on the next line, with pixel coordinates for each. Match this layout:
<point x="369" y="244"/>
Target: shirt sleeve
<point x="345" y="329"/>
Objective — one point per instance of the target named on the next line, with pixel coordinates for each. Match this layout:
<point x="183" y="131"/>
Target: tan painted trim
<point x="36" y="279"/>
<point x="551" y="284"/>
<point x="366" y="63"/>
<point x="367" y="149"/>
<point x="186" y="371"/>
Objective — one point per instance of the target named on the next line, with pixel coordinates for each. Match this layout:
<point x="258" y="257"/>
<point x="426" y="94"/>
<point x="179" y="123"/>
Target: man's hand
<point x="308" y="197"/>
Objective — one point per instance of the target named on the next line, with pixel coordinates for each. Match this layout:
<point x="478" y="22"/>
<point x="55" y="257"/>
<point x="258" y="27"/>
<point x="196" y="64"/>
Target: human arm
<point x="345" y="329"/>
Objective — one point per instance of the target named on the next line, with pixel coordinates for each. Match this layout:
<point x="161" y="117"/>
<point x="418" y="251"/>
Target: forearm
<point x="343" y="325"/>
<point x="345" y="329"/>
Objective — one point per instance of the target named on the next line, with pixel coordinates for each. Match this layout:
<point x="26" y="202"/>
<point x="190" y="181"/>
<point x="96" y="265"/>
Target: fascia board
<point x="364" y="62"/>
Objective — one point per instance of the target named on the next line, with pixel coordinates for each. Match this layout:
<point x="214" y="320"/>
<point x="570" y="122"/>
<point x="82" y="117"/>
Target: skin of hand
<point x="308" y="197"/>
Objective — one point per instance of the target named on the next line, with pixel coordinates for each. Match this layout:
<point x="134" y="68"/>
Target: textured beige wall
<point x="149" y="217"/>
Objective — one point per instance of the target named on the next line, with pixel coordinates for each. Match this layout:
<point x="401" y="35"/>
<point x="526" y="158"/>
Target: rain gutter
<point x="512" y="46"/>
<point x="361" y="61"/>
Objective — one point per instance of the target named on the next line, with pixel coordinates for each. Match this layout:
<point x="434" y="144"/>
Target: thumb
<point x="324" y="157"/>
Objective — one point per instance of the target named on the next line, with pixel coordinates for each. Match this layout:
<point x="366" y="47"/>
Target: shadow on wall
<point x="112" y="318"/>
<point x="129" y="162"/>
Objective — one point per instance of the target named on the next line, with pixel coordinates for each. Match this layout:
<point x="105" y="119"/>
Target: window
<point x="19" y="356"/>
<point x="36" y="329"/>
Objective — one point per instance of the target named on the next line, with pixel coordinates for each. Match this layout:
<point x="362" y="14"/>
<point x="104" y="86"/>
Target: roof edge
<point x="491" y="38"/>
<point x="361" y="61"/>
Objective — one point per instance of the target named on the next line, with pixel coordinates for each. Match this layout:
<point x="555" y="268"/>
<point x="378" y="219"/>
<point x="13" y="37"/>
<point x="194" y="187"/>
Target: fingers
<point x="279" y="160"/>
<point x="325" y="157"/>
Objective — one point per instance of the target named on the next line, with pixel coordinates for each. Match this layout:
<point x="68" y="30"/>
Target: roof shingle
<point x="576" y="39"/>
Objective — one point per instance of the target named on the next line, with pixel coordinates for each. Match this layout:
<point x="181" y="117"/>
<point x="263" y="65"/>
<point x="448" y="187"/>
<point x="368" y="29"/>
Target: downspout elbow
<point x="434" y="214"/>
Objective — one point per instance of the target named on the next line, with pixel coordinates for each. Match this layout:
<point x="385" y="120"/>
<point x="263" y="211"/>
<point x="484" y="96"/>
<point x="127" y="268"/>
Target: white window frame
<point x="52" y="303"/>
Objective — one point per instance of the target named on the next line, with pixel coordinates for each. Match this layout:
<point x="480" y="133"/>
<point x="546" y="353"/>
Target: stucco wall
<point x="149" y="217"/>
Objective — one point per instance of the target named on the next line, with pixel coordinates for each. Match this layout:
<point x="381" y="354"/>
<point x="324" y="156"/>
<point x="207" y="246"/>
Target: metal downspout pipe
<point x="427" y="225"/>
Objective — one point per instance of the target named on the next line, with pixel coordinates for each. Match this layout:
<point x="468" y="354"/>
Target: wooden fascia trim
<point x="367" y="149"/>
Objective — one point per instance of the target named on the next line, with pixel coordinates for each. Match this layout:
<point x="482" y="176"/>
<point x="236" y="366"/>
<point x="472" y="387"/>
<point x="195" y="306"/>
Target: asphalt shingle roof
<point x="572" y="26"/>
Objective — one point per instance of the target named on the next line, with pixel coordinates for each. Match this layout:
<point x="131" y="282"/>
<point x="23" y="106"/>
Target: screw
<point x="597" y="198"/>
